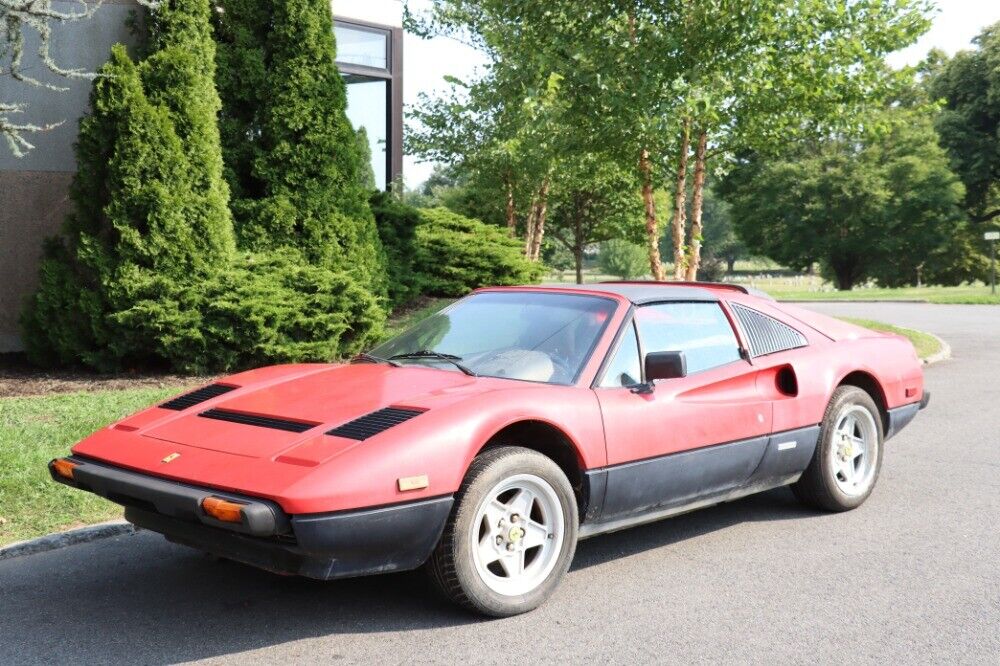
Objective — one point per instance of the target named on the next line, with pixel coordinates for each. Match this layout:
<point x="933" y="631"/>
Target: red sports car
<point x="489" y="438"/>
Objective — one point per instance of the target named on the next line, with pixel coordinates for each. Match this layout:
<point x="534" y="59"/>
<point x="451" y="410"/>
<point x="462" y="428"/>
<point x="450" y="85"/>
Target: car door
<point x="689" y="437"/>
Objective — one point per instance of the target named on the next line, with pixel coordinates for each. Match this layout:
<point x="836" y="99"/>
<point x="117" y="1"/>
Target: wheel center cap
<point x="515" y="534"/>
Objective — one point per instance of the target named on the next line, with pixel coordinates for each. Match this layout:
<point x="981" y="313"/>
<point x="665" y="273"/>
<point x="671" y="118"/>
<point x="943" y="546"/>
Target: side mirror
<point x="665" y="365"/>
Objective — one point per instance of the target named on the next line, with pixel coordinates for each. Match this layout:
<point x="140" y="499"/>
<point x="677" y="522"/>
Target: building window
<point x="361" y="46"/>
<point x="367" y="107"/>
<point x="368" y="59"/>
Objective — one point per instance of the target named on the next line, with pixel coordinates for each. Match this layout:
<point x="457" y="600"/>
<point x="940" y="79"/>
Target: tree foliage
<point x="397" y="224"/>
<point x="292" y="157"/>
<point x="596" y="201"/>
<point x="882" y="206"/>
<point x="969" y="122"/>
<point x="146" y="272"/>
<point x="150" y="206"/>
<point x="635" y="77"/>
<point x="622" y="259"/>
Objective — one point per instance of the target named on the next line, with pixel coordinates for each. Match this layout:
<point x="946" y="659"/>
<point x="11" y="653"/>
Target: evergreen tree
<point x="150" y="206"/>
<point x="146" y="272"/>
<point x="291" y="154"/>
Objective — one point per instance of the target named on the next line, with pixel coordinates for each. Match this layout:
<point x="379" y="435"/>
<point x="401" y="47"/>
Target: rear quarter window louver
<point x="258" y="421"/>
<point x="766" y="335"/>
<point x="372" y="424"/>
<point x="196" y="397"/>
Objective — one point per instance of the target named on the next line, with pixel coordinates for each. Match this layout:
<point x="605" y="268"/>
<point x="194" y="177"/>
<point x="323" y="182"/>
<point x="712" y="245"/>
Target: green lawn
<point x="35" y="430"/>
<point x="767" y="277"/>
<point x="807" y="288"/>
<point x="925" y="344"/>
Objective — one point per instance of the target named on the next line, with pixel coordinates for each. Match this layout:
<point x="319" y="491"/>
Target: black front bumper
<point x="323" y="546"/>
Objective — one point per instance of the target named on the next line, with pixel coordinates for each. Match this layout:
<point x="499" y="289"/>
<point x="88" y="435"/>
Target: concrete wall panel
<point x="34" y="206"/>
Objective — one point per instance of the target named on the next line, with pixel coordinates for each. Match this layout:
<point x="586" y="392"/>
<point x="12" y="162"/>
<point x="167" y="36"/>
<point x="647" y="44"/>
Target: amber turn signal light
<point x="63" y="467"/>
<point x="224" y="510"/>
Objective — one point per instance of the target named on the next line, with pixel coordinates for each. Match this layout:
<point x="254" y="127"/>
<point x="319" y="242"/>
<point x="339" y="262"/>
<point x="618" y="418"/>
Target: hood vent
<point x="195" y="397"/>
<point x="258" y="421"/>
<point x="372" y="424"/>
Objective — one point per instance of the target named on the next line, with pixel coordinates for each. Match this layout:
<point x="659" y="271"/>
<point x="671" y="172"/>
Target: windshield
<point x="532" y="336"/>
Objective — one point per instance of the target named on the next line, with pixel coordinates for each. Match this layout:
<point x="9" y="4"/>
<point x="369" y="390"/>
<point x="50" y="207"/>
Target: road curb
<point x="64" y="539"/>
<point x="943" y="354"/>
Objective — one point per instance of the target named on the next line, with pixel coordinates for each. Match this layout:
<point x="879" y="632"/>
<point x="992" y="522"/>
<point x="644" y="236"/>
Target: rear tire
<point x="848" y="456"/>
<point x="511" y="535"/>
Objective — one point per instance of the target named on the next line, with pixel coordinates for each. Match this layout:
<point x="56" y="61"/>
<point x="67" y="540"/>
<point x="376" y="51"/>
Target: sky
<point x="955" y="23"/>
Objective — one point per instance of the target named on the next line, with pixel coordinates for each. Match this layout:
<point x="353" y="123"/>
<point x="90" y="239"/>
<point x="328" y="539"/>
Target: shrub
<point x="146" y="272"/>
<point x="455" y="254"/>
<point x="623" y="259"/>
<point x="397" y="225"/>
<point x="150" y="206"/>
<point x="712" y="269"/>
<point x="292" y="157"/>
<point x="263" y="308"/>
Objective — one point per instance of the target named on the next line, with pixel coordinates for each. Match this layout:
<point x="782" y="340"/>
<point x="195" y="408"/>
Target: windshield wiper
<point x="430" y="353"/>
<point x="370" y="358"/>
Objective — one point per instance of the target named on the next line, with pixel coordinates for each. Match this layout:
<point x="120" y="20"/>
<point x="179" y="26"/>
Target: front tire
<point x="848" y="455"/>
<point x="511" y="535"/>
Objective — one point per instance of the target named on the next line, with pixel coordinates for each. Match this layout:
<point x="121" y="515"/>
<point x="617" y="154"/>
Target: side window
<point x="625" y="368"/>
<point x="700" y="330"/>
<point x="766" y="335"/>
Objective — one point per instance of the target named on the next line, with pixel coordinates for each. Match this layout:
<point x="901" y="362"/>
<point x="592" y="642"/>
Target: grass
<point x="925" y="344"/>
<point x="768" y="277"/>
<point x="33" y="431"/>
<point x="788" y="289"/>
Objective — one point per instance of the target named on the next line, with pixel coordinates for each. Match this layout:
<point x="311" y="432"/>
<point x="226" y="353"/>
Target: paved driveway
<point x="913" y="576"/>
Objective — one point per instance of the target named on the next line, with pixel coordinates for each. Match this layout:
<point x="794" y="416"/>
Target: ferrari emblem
<point x="172" y="457"/>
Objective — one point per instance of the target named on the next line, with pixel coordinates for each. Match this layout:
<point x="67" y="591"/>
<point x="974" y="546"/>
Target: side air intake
<point x="258" y="421"/>
<point x="766" y="335"/>
<point x="195" y="397"/>
<point x="372" y="424"/>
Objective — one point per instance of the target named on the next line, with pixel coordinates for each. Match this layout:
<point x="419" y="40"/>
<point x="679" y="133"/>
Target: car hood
<point x="264" y="418"/>
<point x="280" y="436"/>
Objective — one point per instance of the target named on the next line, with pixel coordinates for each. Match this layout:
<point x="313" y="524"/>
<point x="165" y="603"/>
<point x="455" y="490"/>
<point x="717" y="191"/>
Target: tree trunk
<point x="652" y="226"/>
<point x="730" y="265"/>
<point x="680" y="202"/>
<point x="697" y="201"/>
<point x="511" y="217"/>
<point x="539" y="231"/>
<point x="578" y="247"/>
<point x="529" y="231"/>
<point x="843" y="271"/>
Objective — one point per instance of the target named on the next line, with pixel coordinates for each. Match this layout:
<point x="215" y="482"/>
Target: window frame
<point x="392" y="74"/>
<point x="630" y="320"/>
<point x="615" y="347"/>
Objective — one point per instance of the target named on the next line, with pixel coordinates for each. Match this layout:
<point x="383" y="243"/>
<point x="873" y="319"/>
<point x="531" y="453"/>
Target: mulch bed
<point x="19" y="378"/>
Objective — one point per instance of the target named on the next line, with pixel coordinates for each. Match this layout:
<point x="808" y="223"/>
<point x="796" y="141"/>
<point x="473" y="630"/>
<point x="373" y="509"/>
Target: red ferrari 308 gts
<point x="489" y="438"/>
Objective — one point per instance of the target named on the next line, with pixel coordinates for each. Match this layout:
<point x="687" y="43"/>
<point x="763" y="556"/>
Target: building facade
<point x="34" y="188"/>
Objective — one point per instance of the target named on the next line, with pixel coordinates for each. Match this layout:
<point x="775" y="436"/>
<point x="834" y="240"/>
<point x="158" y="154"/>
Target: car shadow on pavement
<point x="777" y="504"/>
<point x="139" y="599"/>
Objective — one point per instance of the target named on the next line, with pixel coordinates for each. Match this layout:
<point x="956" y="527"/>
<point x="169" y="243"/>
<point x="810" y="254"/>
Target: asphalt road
<point x="913" y="576"/>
